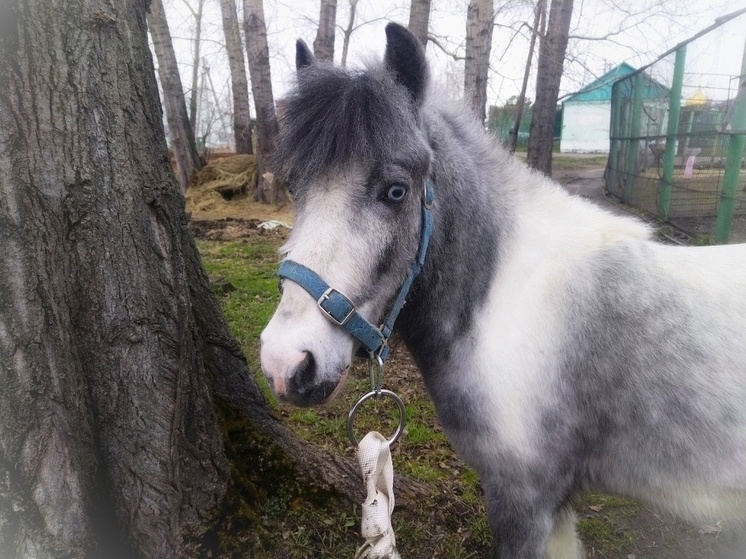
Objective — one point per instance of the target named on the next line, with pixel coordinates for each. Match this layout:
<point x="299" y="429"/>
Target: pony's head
<point x="354" y="153"/>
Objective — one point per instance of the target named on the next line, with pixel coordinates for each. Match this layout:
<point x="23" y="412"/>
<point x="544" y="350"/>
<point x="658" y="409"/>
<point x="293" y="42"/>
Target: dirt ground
<point x="640" y="532"/>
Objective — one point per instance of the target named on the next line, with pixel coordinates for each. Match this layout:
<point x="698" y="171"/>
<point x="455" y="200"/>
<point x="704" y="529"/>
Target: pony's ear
<point x="405" y="58"/>
<point x="303" y="55"/>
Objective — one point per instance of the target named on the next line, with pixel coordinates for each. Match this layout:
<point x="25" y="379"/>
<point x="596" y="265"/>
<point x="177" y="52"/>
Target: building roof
<point x="600" y="89"/>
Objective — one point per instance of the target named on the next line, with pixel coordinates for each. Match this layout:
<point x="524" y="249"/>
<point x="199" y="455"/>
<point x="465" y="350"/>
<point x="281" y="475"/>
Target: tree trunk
<point x="419" y="19"/>
<point x="348" y="32"/>
<point x="194" y="96"/>
<point x="479" y="25"/>
<point x="179" y="128"/>
<point x="106" y="413"/>
<point x="323" y="45"/>
<point x="552" y="50"/>
<point x="239" y="83"/>
<point x="113" y="351"/>
<point x="538" y="28"/>
<point x="261" y="87"/>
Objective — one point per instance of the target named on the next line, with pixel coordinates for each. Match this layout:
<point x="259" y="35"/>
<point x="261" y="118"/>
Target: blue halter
<point x="338" y="308"/>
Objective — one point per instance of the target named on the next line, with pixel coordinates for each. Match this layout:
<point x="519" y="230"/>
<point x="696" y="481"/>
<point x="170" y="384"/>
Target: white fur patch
<point x="519" y="328"/>
<point x="563" y="542"/>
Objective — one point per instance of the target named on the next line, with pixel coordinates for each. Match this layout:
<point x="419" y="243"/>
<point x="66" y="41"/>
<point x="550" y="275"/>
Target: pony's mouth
<point x="340" y="385"/>
<point x="307" y="396"/>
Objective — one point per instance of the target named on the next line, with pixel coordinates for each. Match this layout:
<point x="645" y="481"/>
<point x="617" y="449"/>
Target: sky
<point x="604" y="33"/>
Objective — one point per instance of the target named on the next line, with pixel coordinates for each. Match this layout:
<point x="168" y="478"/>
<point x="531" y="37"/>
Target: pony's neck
<point x="470" y="218"/>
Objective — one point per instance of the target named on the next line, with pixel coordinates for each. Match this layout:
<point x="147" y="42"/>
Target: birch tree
<point x="196" y="47"/>
<point x="239" y="82"/>
<point x="323" y="44"/>
<point x="179" y="127"/>
<point x="347" y="32"/>
<point x="479" y="25"/>
<point x="419" y="19"/>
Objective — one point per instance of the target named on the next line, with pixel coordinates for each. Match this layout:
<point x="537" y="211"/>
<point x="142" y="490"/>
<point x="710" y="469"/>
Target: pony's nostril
<point x="305" y="372"/>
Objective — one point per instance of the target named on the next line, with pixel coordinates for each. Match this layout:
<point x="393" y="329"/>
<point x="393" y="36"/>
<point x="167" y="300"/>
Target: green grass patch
<point x="251" y="267"/>
<point x="571" y="161"/>
<point x="599" y="533"/>
<point x="421" y="435"/>
<point x="479" y="528"/>
<point x="611" y="501"/>
<point x="621" y="507"/>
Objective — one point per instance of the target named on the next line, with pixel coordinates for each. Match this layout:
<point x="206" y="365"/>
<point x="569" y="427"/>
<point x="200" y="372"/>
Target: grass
<point x="576" y="162"/>
<point x="598" y="533"/>
<point x="251" y="268"/>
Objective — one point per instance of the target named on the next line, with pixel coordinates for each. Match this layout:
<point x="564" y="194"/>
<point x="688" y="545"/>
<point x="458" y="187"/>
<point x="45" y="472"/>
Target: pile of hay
<point x="220" y="182"/>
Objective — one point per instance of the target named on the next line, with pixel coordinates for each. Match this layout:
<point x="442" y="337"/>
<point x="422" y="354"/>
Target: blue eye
<point x="396" y="193"/>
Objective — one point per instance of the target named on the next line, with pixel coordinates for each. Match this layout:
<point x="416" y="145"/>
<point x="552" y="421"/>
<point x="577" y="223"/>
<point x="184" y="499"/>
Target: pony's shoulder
<point x="572" y="219"/>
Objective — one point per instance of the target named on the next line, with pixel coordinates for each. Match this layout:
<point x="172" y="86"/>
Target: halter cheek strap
<point x="338" y="308"/>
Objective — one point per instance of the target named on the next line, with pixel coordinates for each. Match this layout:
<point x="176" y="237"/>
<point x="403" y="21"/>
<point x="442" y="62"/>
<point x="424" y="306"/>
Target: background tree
<point x="536" y="30"/>
<point x="179" y="127"/>
<point x="118" y="369"/>
<point x="239" y="83"/>
<point x="196" y="59"/>
<point x="552" y="49"/>
<point x="419" y="19"/>
<point x="255" y="32"/>
<point x="323" y="44"/>
<point x="347" y="32"/>
<point x="479" y="25"/>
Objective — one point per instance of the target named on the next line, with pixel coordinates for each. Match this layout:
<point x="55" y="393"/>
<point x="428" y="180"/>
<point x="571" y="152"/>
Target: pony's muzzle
<point x="303" y="388"/>
<point x="295" y="379"/>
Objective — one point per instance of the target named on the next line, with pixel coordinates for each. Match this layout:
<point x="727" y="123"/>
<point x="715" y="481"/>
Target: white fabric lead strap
<point x="374" y="456"/>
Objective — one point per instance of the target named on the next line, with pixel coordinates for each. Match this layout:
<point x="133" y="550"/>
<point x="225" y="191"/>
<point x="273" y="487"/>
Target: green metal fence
<point x="678" y="133"/>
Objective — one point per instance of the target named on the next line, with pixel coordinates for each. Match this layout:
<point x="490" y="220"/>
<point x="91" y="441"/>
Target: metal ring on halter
<point x="377" y="394"/>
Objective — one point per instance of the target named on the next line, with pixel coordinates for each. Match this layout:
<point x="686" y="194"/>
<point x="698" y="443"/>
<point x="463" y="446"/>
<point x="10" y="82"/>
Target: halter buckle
<point x="338" y="305"/>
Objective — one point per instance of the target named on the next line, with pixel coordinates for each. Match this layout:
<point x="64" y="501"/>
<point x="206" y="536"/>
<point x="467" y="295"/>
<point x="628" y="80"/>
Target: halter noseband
<point x="338" y="308"/>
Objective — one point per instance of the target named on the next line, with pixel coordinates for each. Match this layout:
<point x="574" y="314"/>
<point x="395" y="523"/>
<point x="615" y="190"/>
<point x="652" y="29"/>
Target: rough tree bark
<point x="479" y="25"/>
<point x="419" y="19"/>
<point x="105" y="410"/>
<point x="552" y="50"/>
<point x="115" y="361"/>
<point x="323" y="44"/>
<point x="536" y="30"/>
<point x="264" y="104"/>
<point x="179" y="128"/>
<point x="239" y="83"/>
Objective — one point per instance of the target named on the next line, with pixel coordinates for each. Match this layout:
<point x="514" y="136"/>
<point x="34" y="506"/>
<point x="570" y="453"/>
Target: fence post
<point x="674" y="110"/>
<point x="634" y="141"/>
<point x="733" y="159"/>
<point x="612" y="165"/>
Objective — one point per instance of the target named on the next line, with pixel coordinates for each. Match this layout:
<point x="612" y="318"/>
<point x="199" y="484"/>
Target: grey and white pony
<point x="563" y="348"/>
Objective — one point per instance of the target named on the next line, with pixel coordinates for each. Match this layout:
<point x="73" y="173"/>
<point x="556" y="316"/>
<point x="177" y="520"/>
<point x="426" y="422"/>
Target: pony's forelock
<point x="334" y="117"/>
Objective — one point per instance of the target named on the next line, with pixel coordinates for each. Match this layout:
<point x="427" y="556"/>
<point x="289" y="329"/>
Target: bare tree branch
<point x="436" y="41"/>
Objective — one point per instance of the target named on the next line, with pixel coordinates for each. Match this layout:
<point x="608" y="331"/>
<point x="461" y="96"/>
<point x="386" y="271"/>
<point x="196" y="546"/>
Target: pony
<point x="563" y="347"/>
